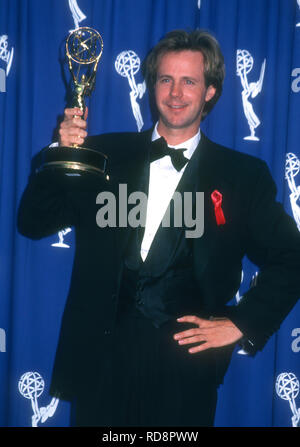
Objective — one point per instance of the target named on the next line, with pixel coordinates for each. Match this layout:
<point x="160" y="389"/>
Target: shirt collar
<point x="189" y="144"/>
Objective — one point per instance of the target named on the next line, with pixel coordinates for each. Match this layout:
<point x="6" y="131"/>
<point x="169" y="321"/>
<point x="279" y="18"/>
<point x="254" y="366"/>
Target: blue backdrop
<point x="258" y="113"/>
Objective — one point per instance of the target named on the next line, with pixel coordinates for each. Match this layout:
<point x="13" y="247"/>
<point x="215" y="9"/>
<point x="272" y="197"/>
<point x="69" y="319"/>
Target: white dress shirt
<point x="163" y="182"/>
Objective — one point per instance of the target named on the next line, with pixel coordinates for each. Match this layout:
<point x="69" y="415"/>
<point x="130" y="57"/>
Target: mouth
<point x="176" y="106"/>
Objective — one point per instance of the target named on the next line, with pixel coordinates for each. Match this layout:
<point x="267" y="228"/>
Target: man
<point x="146" y="335"/>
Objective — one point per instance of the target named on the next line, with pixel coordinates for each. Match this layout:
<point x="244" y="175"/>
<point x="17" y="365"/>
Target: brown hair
<point x="196" y="40"/>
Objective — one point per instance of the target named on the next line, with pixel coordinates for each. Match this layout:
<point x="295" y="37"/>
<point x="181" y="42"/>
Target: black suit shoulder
<point x="120" y="146"/>
<point x="234" y="159"/>
<point x="238" y="169"/>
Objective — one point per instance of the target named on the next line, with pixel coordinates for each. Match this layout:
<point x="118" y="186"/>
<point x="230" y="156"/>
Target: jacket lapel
<point x="206" y="181"/>
<point x="134" y="173"/>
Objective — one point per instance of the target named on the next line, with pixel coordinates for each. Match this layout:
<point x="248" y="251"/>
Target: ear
<point x="210" y="93"/>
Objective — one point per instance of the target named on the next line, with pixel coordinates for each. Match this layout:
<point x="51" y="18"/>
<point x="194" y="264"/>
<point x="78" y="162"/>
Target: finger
<point x="73" y="122"/>
<point x="77" y="139"/>
<point x="199" y="348"/>
<point x="72" y="132"/>
<point x="67" y="140"/>
<point x="76" y="131"/>
<point x="190" y="319"/>
<point x="191" y="340"/>
<point x="187" y="333"/>
<point x="74" y="111"/>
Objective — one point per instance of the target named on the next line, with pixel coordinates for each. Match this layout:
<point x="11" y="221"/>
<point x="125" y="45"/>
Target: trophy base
<point x="74" y="160"/>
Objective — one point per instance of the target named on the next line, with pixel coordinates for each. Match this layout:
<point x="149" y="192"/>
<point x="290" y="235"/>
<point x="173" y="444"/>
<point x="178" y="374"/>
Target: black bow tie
<point x="159" y="149"/>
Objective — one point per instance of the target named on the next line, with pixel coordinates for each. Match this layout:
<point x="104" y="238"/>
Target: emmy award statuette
<point x="84" y="48"/>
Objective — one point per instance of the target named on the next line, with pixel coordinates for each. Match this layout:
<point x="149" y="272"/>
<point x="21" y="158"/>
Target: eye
<point x="189" y="82"/>
<point x="164" y="80"/>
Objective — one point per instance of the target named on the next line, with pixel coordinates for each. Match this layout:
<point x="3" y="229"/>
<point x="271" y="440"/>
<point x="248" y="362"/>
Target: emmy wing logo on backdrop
<point x="77" y="14"/>
<point x="244" y="64"/>
<point x="7" y="56"/>
<point x="61" y="235"/>
<point x="31" y="386"/>
<point x="127" y="65"/>
<point x="298" y="1"/>
<point x="287" y="388"/>
<point x="292" y="167"/>
<point x="2" y="340"/>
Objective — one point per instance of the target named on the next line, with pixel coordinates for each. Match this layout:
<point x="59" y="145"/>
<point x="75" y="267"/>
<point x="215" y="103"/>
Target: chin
<point x="178" y="124"/>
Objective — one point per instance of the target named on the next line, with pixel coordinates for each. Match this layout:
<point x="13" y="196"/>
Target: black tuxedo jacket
<point x="255" y="225"/>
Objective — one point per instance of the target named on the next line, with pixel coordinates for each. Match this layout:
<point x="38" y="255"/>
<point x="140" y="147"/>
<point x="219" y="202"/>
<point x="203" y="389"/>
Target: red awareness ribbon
<point x="217" y="197"/>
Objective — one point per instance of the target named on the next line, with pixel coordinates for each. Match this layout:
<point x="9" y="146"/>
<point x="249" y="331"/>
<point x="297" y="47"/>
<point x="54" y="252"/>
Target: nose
<point x="176" y="90"/>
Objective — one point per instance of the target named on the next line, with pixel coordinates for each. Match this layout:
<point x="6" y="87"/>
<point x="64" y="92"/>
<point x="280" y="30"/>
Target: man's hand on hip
<point x="213" y="333"/>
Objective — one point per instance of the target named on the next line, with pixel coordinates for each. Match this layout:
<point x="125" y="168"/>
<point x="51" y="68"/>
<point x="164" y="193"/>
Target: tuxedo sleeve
<point x="53" y="200"/>
<point x="273" y="244"/>
<point x="47" y="205"/>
